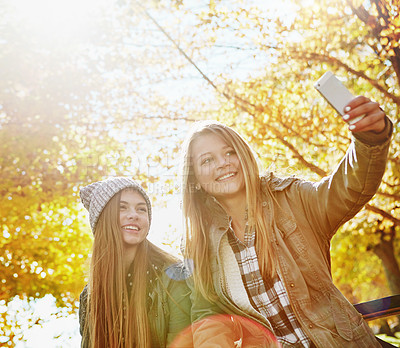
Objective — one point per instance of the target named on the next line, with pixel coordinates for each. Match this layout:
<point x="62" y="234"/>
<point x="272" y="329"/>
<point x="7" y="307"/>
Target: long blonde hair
<point x="113" y="318"/>
<point x="198" y="217"/>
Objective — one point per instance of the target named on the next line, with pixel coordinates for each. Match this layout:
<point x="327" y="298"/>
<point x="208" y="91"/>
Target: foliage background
<point x="110" y="88"/>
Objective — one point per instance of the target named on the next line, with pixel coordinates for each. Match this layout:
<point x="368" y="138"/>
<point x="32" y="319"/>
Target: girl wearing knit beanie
<point x="136" y="295"/>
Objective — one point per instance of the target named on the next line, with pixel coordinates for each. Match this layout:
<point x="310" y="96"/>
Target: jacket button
<point x="292" y="285"/>
<point x="264" y="204"/>
<point x="310" y="326"/>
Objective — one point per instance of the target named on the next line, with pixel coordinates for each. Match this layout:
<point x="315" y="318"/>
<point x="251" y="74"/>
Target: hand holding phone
<point x="335" y="93"/>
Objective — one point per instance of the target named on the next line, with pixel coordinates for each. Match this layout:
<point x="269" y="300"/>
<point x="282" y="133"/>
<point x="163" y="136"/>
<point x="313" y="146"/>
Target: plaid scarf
<point x="268" y="297"/>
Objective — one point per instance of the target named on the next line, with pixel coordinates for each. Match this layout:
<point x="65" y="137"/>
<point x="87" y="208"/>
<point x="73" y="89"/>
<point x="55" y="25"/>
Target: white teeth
<point x="131" y="228"/>
<point x="226" y="176"/>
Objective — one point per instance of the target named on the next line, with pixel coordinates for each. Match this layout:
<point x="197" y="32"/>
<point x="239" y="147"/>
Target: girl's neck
<point x="129" y="256"/>
<point x="236" y="209"/>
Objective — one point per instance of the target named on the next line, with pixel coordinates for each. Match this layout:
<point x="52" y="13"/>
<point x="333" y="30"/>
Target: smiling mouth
<point x="131" y="228"/>
<point x="226" y="176"/>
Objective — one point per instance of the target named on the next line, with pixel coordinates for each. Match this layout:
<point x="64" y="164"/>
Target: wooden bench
<point x="380" y="308"/>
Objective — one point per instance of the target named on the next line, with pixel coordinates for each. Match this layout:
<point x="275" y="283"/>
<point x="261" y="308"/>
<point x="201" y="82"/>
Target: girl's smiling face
<point x="217" y="167"/>
<point x="133" y="218"/>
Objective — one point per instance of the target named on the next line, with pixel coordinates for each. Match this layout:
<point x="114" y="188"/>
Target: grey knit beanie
<point x="96" y="196"/>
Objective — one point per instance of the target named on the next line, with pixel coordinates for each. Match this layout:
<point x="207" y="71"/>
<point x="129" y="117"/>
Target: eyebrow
<point x="203" y="154"/>
<point x="125" y="202"/>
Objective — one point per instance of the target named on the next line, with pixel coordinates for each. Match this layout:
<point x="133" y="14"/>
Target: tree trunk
<point x="385" y="251"/>
<point x="396" y="62"/>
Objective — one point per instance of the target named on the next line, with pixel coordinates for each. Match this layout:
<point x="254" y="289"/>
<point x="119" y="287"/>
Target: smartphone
<point x="335" y="93"/>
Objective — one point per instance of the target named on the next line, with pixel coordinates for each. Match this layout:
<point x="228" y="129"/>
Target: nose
<point x="132" y="214"/>
<point x="223" y="161"/>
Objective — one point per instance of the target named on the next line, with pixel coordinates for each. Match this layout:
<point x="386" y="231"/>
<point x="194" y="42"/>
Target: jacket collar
<point x="220" y="220"/>
<point x="275" y="183"/>
<point x="219" y="217"/>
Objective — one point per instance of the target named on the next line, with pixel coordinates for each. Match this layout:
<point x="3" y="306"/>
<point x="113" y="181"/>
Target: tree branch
<point x="389" y="195"/>
<point x="361" y="74"/>
<point x="377" y="28"/>
<point x="383" y="213"/>
<point x="297" y="155"/>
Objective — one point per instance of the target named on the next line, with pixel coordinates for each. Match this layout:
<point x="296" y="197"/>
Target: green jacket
<point x="309" y="215"/>
<point x="169" y="307"/>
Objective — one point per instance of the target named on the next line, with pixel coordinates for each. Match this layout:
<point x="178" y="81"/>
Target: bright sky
<point x="65" y="329"/>
<point x="57" y="18"/>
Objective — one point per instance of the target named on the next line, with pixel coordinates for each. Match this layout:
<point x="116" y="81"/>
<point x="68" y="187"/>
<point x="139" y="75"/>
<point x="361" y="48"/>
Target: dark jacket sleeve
<point x="177" y="298"/>
<point x="179" y="313"/>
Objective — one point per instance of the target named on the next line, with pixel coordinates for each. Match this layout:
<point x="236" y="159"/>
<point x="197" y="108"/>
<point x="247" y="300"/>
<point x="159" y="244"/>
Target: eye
<point x="122" y="206"/>
<point x="231" y="152"/>
<point x="143" y="210"/>
<point x="206" y="160"/>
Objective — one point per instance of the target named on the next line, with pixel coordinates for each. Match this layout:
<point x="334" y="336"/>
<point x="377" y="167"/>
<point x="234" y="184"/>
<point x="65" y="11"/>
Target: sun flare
<point x="61" y="19"/>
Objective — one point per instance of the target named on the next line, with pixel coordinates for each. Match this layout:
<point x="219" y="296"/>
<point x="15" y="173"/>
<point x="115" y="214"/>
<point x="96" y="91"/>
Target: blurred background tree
<point x="98" y="89"/>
